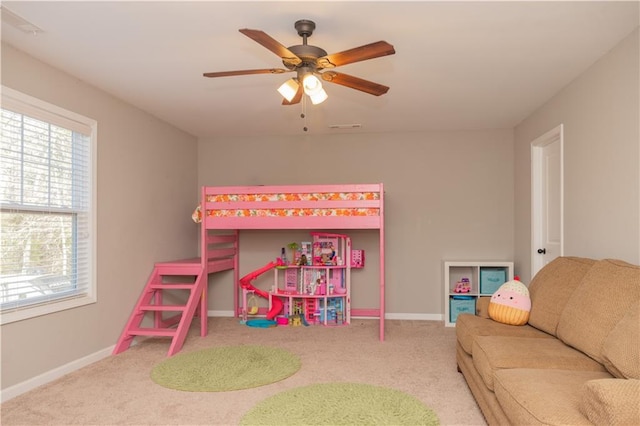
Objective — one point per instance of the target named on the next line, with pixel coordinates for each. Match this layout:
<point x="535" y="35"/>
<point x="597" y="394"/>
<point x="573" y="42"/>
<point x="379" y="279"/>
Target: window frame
<point x="33" y="107"/>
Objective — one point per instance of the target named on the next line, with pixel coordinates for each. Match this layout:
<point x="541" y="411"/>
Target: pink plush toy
<point x="511" y="303"/>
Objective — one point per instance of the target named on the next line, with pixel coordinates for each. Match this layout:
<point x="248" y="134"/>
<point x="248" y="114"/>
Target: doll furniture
<point x="223" y="213"/>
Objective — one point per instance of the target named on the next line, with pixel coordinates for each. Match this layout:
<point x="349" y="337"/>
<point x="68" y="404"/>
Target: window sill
<point x="25" y="313"/>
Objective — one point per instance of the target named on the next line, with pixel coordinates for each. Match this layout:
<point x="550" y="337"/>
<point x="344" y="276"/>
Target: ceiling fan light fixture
<point x="311" y="84"/>
<point x="319" y="97"/>
<point x="289" y="89"/>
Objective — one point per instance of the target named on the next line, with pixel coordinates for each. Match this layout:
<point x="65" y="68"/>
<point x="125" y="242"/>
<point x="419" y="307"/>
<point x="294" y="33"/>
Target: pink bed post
<point x="382" y="281"/>
<point x="204" y="262"/>
<point x="236" y="275"/>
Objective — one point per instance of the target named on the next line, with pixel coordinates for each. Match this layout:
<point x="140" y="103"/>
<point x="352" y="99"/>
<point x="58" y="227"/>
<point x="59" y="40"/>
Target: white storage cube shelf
<point x="454" y="271"/>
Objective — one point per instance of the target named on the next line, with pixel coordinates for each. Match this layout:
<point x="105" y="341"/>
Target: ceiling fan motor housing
<point x="305" y="27"/>
<point x="309" y="54"/>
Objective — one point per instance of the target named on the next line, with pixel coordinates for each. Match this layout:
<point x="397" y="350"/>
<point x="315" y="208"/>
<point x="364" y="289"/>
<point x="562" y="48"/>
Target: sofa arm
<point x="611" y="401"/>
<point x="482" y="306"/>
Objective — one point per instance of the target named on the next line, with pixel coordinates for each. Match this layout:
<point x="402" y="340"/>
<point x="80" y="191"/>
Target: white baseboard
<point x="220" y="314"/>
<point x="389" y="316"/>
<point x="414" y="317"/>
<point x="56" y="373"/>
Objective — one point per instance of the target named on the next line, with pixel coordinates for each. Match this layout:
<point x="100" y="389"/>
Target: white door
<point x="547" y="199"/>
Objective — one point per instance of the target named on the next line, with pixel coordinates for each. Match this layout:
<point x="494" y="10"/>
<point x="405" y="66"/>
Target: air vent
<point x="345" y="126"/>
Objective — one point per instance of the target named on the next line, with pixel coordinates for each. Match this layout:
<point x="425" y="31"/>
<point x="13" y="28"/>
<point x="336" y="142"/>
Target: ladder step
<point x="154" y="308"/>
<point x="179" y="268"/>
<point x="177" y="286"/>
<point x="168" y="332"/>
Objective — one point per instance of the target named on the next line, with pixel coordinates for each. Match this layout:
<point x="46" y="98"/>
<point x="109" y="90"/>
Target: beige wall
<point x="600" y="113"/>
<point x="448" y="195"/>
<point x="146" y="191"/>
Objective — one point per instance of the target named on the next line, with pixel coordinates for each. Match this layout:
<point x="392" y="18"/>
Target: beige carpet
<point x="417" y="357"/>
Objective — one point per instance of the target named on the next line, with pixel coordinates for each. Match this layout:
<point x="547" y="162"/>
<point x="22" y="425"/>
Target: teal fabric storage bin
<point x="461" y="305"/>
<point x="491" y="279"/>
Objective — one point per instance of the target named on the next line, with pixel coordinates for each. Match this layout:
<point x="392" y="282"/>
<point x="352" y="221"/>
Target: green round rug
<point x="341" y="404"/>
<point x="225" y="368"/>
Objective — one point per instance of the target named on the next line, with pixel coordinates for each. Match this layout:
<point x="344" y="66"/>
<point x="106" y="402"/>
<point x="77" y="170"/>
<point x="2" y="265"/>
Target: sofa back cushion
<point x="621" y="348"/>
<point x="552" y="287"/>
<point x="607" y="292"/>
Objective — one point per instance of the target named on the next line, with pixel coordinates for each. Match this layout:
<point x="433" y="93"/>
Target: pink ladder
<point x="150" y="304"/>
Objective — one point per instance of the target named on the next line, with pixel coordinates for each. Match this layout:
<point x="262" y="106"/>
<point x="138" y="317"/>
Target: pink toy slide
<point x="245" y="282"/>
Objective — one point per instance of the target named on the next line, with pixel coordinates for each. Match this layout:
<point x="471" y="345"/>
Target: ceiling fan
<point x="310" y="62"/>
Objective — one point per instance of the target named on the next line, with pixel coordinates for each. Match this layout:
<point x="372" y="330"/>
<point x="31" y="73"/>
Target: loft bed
<point x="225" y="211"/>
<point x="314" y="207"/>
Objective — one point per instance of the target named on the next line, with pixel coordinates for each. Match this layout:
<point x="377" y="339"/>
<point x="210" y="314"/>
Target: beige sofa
<point x="577" y="361"/>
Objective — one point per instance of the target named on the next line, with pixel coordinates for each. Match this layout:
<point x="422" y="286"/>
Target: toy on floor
<point x="261" y="323"/>
<point x="511" y="303"/>
<point x="245" y="283"/>
<point x="306" y="291"/>
<point x="298" y="320"/>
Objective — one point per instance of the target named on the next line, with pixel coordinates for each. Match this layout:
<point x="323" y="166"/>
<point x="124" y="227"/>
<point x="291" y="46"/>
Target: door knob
<point x="542" y="251"/>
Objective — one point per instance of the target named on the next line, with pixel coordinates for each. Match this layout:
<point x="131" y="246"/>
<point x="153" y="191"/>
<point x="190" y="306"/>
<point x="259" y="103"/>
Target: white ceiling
<point x="458" y="65"/>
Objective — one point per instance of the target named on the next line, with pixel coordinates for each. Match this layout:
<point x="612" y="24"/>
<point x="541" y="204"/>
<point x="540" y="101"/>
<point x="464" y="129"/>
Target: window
<point x="47" y="216"/>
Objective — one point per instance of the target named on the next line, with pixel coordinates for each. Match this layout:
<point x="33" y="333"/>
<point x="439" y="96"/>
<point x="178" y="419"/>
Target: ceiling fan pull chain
<point x="303" y="115"/>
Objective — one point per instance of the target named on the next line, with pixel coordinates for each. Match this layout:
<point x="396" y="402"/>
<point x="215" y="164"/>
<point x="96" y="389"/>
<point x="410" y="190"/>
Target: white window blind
<point x="47" y="208"/>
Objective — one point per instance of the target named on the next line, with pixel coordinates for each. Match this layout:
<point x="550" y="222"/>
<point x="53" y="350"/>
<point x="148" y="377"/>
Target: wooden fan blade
<point x="355" y="83"/>
<point x="288" y="57"/>
<point x="245" y="72"/>
<point x="296" y="98"/>
<point x="357" y="54"/>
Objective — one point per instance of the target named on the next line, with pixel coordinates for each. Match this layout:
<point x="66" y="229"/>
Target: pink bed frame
<point x="288" y="207"/>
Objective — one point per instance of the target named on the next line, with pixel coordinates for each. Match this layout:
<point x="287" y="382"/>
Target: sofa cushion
<point x="552" y="287"/>
<point x="621" y="348"/>
<point x="607" y="292"/>
<point x="468" y="327"/>
<point x="530" y="396"/>
<point x="493" y="353"/>
<point x="611" y="401"/>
